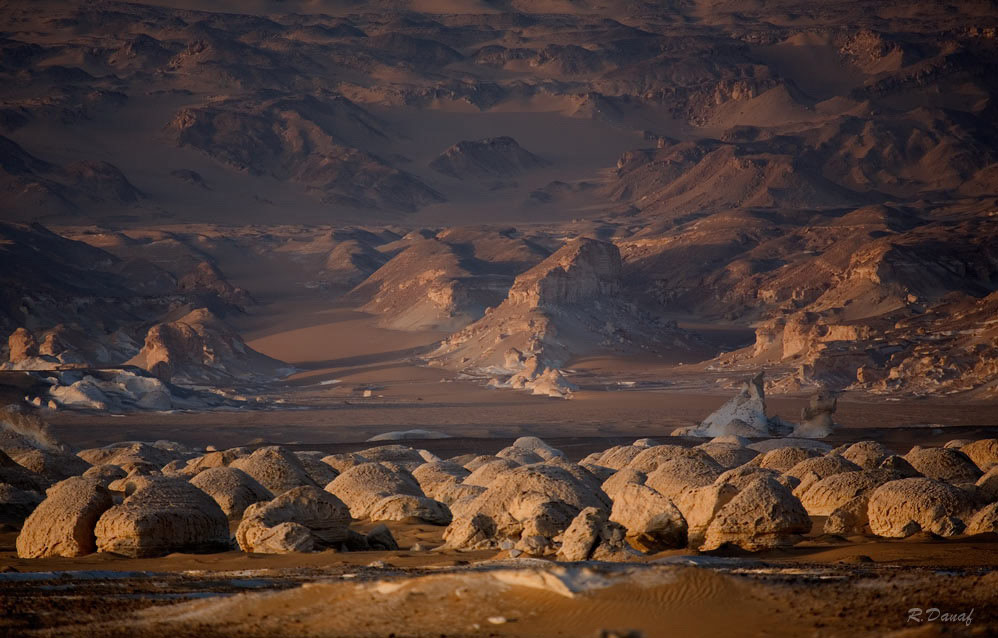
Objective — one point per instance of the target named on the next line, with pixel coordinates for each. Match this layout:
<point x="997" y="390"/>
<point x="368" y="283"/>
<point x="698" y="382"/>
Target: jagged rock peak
<point x="582" y="269"/>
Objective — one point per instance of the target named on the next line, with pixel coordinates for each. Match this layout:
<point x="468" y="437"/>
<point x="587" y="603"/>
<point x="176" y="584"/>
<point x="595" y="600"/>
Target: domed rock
<point x="984" y="453"/>
<point x="52" y="466"/>
<point x="984" y="520"/>
<point x="700" y="505"/>
<point x="519" y="455"/>
<point x="866" y="454"/>
<point x="769" y="445"/>
<point x="728" y="455"/>
<point x="429" y="475"/>
<point x="621" y="478"/>
<point x="63" y="524"/>
<point x="453" y="492"/>
<point x="531" y="500"/>
<point x="105" y="474"/>
<point x="233" y="489"/>
<point x="320" y="473"/>
<point x="400" y="507"/>
<point x="479" y="461"/>
<point x="618" y="456"/>
<point x="592" y="536"/>
<point x="128" y="452"/>
<point x="16" y="505"/>
<point x="784" y="458"/>
<point x="648" y="459"/>
<point x="343" y="462"/>
<point x="210" y="459"/>
<point x="675" y="476"/>
<point x="812" y="470"/>
<point x="588" y="478"/>
<point x="161" y="516"/>
<point x="601" y="473"/>
<point x="20" y="477"/>
<point x="652" y="521"/>
<point x="303" y="519"/>
<point x="275" y="468"/>
<point x="987" y="485"/>
<point x="538" y="447"/>
<point x="765" y="514"/>
<point x="898" y="509"/>
<point x="484" y="474"/>
<point x="899" y="465"/>
<point x="740" y="477"/>
<point x="833" y="492"/>
<point x="943" y="464"/>
<point x="407" y="457"/>
<point x="362" y="486"/>
<point x="851" y="518"/>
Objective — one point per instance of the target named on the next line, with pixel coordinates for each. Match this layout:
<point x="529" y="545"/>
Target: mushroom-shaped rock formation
<point x="743" y="415"/>
<point x="161" y="516"/>
<point x="233" y="489"/>
<point x="362" y="486"/>
<point x="898" y="509"/>
<point x="765" y="514"/>
<point x="816" y="419"/>
<point x="302" y="519"/>
<point x="274" y="467"/>
<point x="63" y="524"/>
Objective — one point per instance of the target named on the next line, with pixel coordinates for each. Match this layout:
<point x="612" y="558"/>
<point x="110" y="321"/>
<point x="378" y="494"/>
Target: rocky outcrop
<point x="363" y="486"/>
<point x="765" y="514"/>
<point x="163" y="515"/>
<point x="199" y="348"/>
<point x="823" y="497"/>
<point x="275" y="468"/>
<point x="233" y="489"/>
<point x="52" y="466"/>
<point x="943" y="464"/>
<point x="303" y="519"/>
<point x="652" y="522"/>
<point x="63" y="524"/>
<point x="487" y="158"/>
<point x="403" y="507"/>
<point x="898" y="509"/>
<point x="816" y="419"/>
<point x="744" y="415"/>
<point x="591" y="536"/>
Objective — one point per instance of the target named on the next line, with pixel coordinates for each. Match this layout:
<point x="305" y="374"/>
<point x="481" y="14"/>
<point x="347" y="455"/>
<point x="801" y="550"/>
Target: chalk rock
<point x="538" y="447"/>
<point x="343" y="462"/>
<point x="320" y="473"/>
<point x="16" y="505"/>
<point x="519" y="455"/>
<point x="621" y="478"/>
<point x="984" y="520"/>
<point x="302" y="519"/>
<point x="987" y="485"/>
<point x="161" y="516"/>
<point x="675" y="476"/>
<point x="484" y="474"/>
<point x="728" y="455"/>
<point x="652" y="521"/>
<point x="233" y="489"/>
<point x="984" y="453"/>
<point x="363" y="486"/>
<point x="784" y="458"/>
<point x="700" y="505"/>
<point x="648" y="459"/>
<point x="592" y="536"/>
<point x="407" y="457"/>
<point x="901" y="508"/>
<point x="401" y="507"/>
<point x="743" y="415"/>
<point x="833" y="492"/>
<point x="943" y="464"/>
<point x="765" y="514"/>
<point x="813" y="469"/>
<point x="740" y="477"/>
<point x="274" y="467"/>
<point x="105" y="474"/>
<point x="618" y="456"/>
<point x="850" y="518"/>
<point x="63" y="524"/>
<point x="816" y="418"/>
<point x="866" y="454"/>
<point x="20" y="477"/>
<point x="430" y="475"/>
<point x="52" y="466"/>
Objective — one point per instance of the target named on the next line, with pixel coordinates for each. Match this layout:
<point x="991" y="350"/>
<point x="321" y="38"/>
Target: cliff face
<point x="582" y="270"/>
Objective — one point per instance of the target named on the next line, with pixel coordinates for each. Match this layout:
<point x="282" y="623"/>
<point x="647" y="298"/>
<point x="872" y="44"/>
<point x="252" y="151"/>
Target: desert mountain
<point x="492" y="157"/>
<point x="567" y="305"/>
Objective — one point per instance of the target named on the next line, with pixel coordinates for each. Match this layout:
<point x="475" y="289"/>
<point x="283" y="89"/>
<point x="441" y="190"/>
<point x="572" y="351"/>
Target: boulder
<point x="700" y="505"/>
<point x="740" y="477"/>
<point x="899" y="465"/>
<point x="866" y="454"/>
<point x="233" y="489"/>
<point x="851" y="518"/>
<point x="784" y="458"/>
<point x="52" y="466"/>
<point x="362" y="486"/>
<point x="209" y="460"/>
<point x="648" y="459"/>
<point x="63" y="524"/>
<point x="407" y="457"/>
<point x="343" y="462"/>
<point x="773" y="444"/>
<point x="431" y="475"/>
<point x="601" y="473"/>
<point x="898" y="509"/>
<point x="984" y="453"/>
<point x="987" y="485"/>
<point x="16" y="505"/>
<point x="453" y="491"/>
<point x="831" y="493"/>
<point x="728" y="455"/>
<point x="380" y="538"/>
<point x="535" y="500"/>
<point x="401" y="507"/>
<point x="302" y="519"/>
<point x="105" y="474"/>
<point x="276" y="468"/>
<point x="591" y="535"/>
<point x="128" y="452"/>
<point x="519" y="455"/>
<point x="621" y="478"/>
<point x="484" y="474"/>
<point x="675" y="476"/>
<point x="320" y="473"/>
<point x="943" y="464"/>
<point x="538" y="447"/>
<point x="652" y="521"/>
<point x="20" y="477"/>
<point x="984" y="520"/>
<point x="618" y="456"/>
<point x="812" y="470"/>
<point x="163" y="515"/>
<point x="763" y="515"/>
